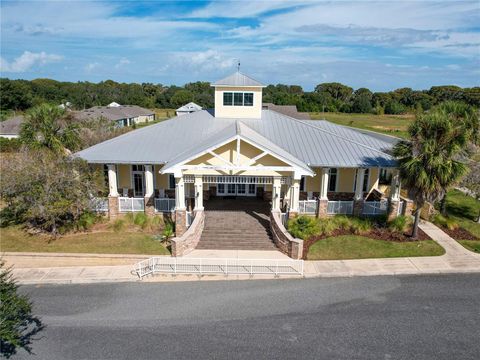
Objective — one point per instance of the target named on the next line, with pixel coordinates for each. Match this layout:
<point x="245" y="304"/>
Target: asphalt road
<point x="415" y="317"/>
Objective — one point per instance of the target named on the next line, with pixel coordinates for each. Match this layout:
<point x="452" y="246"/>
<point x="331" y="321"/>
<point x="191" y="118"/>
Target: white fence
<point x="99" y="204"/>
<point x="131" y="204"/>
<point x="203" y="266"/>
<point x="284" y="219"/>
<point x="375" y="207"/>
<point x="307" y="206"/>
<point x="340" y="207"/>
<point x="164" y="205"/>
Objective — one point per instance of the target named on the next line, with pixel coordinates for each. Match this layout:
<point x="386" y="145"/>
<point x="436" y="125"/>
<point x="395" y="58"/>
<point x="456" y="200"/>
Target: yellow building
<point x="239" y="150"/>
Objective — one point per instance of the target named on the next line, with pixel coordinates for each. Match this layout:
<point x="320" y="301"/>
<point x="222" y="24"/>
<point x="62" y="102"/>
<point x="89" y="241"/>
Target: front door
<point x="138" y="184"/>
<point x="236" y="189"/>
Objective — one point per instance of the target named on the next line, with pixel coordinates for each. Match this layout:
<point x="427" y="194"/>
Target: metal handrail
<point x="225" y="266"/>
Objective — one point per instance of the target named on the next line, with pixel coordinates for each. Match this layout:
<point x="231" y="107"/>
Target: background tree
<point x="18" y="325"/>
<point x="181" y="98"/>
<point x="49" y="126"/>
<point x="54" y="191"/>
<point x="428" y="162"/>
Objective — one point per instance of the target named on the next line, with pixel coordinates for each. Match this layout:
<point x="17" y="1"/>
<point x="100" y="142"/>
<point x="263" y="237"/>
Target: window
<point x="105" y="175"/>
<point x="238" y="99"/>
<point x="332" y="179"/>
<point x="365" y="180"/>
<point x="221" y="188"/>
<point x="248" y="99"/>
<point x="302" y="183"/>
<point x="251" y="188"/>
<point x="384" y="178"/>
<point x="171" y="181"/>
<point x="138" y="168"/>
<point x="227" y="99"/>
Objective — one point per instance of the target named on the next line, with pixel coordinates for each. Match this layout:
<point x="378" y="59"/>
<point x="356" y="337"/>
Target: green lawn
<point x="13" y="238"/>
<point x="395" y="125"/>
<point x="360" y="247"/>
<point x="464" y="209"/>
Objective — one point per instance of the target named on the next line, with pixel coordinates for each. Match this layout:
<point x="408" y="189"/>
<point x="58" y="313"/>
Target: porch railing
<point x="284" y="219"/>
<point x="307" y="206"/>
<point x="99" y="204"/>
<point x="340" y="207"/>
<point x="189" y="218"/>
<point x="131" y="204"/>
<point x="164" y="205"/>
<point x="373" y="208"/>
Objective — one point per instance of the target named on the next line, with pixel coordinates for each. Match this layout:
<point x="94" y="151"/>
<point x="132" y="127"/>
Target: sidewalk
<point x="457" y="259"/>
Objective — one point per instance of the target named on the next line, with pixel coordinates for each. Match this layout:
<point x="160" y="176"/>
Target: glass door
<point x="138" y="184"/>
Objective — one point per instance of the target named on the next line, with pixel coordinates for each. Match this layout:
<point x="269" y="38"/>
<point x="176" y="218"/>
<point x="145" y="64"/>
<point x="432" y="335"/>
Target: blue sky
<point x="379" y="45"/>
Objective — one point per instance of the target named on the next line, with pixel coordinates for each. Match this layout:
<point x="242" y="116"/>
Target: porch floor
<point x="236" y="224"/>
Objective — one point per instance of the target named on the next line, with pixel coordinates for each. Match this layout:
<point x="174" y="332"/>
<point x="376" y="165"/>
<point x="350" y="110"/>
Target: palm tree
<point x="428" y="162"/>
<point x="466" y="118"/>
<point x="49" y="126"/>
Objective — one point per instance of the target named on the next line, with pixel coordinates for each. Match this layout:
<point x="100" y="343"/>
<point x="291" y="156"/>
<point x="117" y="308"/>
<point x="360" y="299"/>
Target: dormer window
<point x="237" y="98"/>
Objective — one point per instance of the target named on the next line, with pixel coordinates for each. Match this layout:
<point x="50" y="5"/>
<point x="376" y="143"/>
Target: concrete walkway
<point x="457" y="259"/>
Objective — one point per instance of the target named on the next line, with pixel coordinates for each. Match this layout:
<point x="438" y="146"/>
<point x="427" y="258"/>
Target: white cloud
<point x="27" y="60"/>
<point x="121" y="63"/>
<point x="91" y="66"/>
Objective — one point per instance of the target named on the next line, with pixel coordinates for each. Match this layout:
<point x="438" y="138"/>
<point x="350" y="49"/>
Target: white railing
<point x="340" y="207"/>
<point x="284" y="219"/>
<point x="375" y="207"/>
<point x="99" y="204"/>
<point x="201" y="266"/>
<point x="164" y="205"/>
<point x="307" y="206"/>
<point x="131" y="204"/>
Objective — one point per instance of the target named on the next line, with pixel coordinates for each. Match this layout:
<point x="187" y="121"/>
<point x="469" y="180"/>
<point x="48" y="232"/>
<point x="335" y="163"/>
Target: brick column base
<point x="150" y="205"/>
<point x="322" y="205"/>
<point x="180" y="222"/>
<point x="358" y="207"/>
<point x="113" y="207"/>
<point x="408" y="209"/>
<point x="393" y="209"/>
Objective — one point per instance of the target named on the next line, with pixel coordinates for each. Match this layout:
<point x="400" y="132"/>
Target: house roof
<point x="289" y="110"/>
<point x="191" y="106"/>
<point x="238" y="79"/>
<point x="315" y="143"/>
<point x="113" y="113"/>
<point x="11" y="126"/>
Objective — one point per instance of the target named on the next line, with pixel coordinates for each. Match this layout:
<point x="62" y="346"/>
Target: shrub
<point x="400" y="224"/>
<point x="303" y="227"/>
<point x="86" y="221"/>
<point x="10" y="145"/>
<point x="118" y="225"/>
<point x="168" y="231"/>
<point x="445" y="222"/>
<point x="326" y="226"/>
<point x="360" y="226"/>
<point x="140" y="219"/>
<point x="341" y="222"/>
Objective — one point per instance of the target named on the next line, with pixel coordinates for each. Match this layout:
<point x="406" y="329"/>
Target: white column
<point x="198" y="192"/>
<point x="324" y="183"/>
<point x="395" y="186"/>
<point x="148" y="180"/>
<point x="277" y="188"/>
<point x="112" y="180"/>
<point x="295" y="194"/>
<point x="359" y="184"/>
<point x="179" y="193"/>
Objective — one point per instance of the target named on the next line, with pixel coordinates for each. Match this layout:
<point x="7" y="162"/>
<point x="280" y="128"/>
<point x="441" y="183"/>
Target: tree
<point x="428" y="162"/>
<point x="362" y="101"/>
<point x="18" y="325"/>
<point x="49" y="126"/>
<point x="15" y="94"/>
<point x="181" y="97"/>
<point x="336" y="90"/>
<point x="394" y="107"/>
<point x="54" y="191"/>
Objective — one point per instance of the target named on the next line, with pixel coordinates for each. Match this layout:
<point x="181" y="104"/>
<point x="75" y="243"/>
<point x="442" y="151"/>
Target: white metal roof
<point x="238" y="79"/>
<point x="315" y="143"/>
<point x="191" y="106"/>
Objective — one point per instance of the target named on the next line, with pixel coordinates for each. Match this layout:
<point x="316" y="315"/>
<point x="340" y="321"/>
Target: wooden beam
<point x="221" y="158"/>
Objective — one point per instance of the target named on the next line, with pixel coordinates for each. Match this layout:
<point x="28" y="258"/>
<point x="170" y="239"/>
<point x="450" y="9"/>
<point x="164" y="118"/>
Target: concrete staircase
<point x="236" y="224"/>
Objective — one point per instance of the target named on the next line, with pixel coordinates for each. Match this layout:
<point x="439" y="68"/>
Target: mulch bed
<point x="460" y="234"/>
<point x="376" y="233"/>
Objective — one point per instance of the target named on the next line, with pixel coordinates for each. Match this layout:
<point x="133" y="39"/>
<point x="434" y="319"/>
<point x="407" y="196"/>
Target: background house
<point x="188" y="108"/>
<point x="122" y="115"/>
<point x="10" y="128"/>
